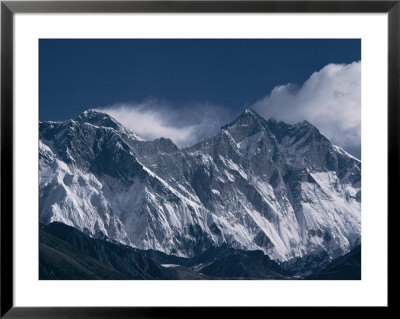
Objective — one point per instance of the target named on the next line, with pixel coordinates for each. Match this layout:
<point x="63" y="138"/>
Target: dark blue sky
<point x="80" y="74"/>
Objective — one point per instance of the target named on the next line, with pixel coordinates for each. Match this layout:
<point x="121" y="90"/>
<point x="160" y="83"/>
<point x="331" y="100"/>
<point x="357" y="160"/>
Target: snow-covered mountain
<point x="256" y="185"/>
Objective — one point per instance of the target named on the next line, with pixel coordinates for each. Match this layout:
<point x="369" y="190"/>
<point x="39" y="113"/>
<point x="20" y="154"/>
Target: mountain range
<point x="258" y="185"/>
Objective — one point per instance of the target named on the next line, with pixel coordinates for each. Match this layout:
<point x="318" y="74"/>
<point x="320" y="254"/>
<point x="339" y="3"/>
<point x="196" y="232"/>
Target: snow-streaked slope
<point x="75" y="198"/>
<point x="284" y="189"/>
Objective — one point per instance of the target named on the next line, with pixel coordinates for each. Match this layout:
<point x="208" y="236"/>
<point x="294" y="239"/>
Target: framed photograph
<point x="165" y="157"/>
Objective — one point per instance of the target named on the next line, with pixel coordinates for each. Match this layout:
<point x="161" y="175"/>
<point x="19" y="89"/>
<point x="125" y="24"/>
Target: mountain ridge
<point x="256" y="184"/>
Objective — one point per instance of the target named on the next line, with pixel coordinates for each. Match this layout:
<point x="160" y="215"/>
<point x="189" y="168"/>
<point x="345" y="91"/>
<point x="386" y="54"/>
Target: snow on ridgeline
<point x="257" y="185"/>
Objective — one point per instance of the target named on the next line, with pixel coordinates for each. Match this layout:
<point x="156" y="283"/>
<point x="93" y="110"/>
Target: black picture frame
<point x="9" y="8"/>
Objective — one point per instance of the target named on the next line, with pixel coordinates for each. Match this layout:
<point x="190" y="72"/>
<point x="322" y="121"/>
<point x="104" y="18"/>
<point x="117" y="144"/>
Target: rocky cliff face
<point x="256" y="185"/>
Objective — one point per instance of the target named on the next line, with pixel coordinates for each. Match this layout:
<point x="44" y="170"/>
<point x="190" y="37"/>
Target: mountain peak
<point x="98" y="118"/>
<point x="92" y="114"/>
<point x="304" y="123"/>
<point x="248" y="117"/>
<point x="305" y="127"/>
<point x="251" y="113"/>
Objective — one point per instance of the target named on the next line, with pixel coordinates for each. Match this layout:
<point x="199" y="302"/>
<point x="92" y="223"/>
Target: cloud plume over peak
<point x="330" y="99"/>
<point x="184" y="125"/>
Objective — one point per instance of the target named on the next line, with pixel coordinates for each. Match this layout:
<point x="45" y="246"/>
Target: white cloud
<point x="183" y="125"/>
<point x="330" y="99"/>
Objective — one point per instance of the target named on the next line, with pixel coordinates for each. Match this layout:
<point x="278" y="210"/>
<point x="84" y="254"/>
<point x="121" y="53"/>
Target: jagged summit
<point x="282" y="129"/>
<point x="250" y="118"/>
<point x="247" y="117"/>
<point x="274" y="124"/>
<point x="305" y="123"/>
<point x="250" y="111"/>
<point x="99" y="118"/>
